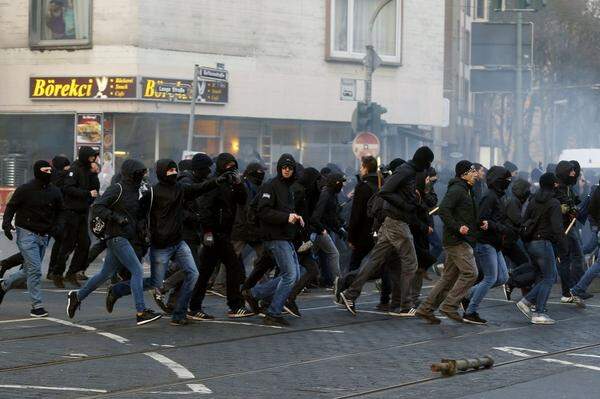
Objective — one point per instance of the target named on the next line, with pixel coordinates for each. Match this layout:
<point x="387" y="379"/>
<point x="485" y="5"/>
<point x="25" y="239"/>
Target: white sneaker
<point x="541" y="318"/>
<point x="567" y="299"/>
<point x="524" y="308"/>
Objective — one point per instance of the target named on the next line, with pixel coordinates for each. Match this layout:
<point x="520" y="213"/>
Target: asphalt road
<point x="325" y="354"/>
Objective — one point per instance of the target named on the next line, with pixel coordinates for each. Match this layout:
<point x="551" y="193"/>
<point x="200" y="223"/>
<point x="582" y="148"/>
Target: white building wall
<point x="273" y="49"/>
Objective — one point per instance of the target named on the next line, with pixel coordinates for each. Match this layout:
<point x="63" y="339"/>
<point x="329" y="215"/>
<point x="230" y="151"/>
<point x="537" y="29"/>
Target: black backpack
<point x="97" y="223"/>
<point x="375" y="207"/>
<point x="530" y="225"/>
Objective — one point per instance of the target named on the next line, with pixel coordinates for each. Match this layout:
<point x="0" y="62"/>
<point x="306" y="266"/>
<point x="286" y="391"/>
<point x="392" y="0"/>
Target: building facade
<point x="117" y="75"/>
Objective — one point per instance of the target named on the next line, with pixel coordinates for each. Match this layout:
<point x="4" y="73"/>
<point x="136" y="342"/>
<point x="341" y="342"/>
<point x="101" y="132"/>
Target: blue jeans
<point x="586" y="279"/>
<point x="330" y="269"/>
<point x="279" y="288"/>
<point x="159" y="260"/>
<point x="32" y="247"/>
<point x="119" y="253"/>
<point x="495" y="273"/>
<point x="542" y="254"/>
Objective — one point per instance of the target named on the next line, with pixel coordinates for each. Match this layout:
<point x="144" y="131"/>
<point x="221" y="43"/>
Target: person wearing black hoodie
<point x="488" y="251"/>
<point x="37" y="205"/>
<point x="543" y="230"/>
<point x="120" y="208"/>
<point x="394" y="237"/>
<point x="360" y="234"/>
<point x="278" y="223"/>
<point x="326" y="221"/>
<point x="571" y="264"/>
<point x="60" y="168"/>
<point x="217" y="212"/>
<point x="164" y="205"/>
<point x="459" y="213"/>
<point x="80" y="189"/>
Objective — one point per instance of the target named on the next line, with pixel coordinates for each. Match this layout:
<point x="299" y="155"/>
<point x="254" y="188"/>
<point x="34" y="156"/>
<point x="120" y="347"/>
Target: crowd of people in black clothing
<point x="197" y="221"/>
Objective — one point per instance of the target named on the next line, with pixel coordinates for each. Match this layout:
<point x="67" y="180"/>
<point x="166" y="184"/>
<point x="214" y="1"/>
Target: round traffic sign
<point x="364" y="144"/>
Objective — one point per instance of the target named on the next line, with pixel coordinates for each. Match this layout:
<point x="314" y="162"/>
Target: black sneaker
<point x="239" y="313"/>
<point x="159" y="298"/>
<point x="507" y="290"/>
<point x="291" y="307"/>
<point x="179" y="322"/>
<point x="73" y="303"/>
<point x="464" y="303"/>
<point x="111" y="299"/>
<point x="72" y="278"/>
<point x="199" y="316"/>
<point x="349" y="304"/>
<point x="147" y="316"/>
<point x="38" y="312"/>
<point x="473" y="318"/>
<point x="408" y="312"/>
<point x="251" y="301"/>
<point x="276" y="321"/>
<point x="2" y="292"/>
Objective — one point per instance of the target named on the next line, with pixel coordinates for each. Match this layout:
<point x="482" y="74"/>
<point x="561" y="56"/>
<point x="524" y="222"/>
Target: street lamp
<point x="371" y="59"/>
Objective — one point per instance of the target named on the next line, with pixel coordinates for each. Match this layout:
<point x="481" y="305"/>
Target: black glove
<point x="8" y="231"/>
<point x="121" y="220"/>
<point x="224" y="178"/>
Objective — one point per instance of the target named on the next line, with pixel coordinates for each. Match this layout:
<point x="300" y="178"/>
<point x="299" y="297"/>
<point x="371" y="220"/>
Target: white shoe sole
<point x="347" y="304"/>
<point x="526" y="312"/>
<point x="141" y="323"/>
<point x="39" y="316"/>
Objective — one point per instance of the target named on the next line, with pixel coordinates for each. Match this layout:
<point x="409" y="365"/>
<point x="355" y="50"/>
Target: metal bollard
<point x="449" y="367"/>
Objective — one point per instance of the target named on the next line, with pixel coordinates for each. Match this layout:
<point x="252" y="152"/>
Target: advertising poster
<point x="89" y="129"/>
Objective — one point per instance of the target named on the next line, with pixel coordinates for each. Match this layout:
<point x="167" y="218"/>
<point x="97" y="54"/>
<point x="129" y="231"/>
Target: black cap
<point x="462" y="167"/>
<point x="201" y="161"/>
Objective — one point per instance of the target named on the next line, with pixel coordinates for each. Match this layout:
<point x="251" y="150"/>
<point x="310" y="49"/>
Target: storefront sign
<point x="83" y="87"/>
<point x="179" y="90"/>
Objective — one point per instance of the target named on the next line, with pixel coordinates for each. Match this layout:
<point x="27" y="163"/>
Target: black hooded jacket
<point x="399" y="193"/>
<point x="37" y="206"/>
<point x="217" y="208"/>
<point x="491" y="209"/>
<point x="564" y="192"/>
<point x="513" y="206"/>
<point x="594" y="207"/>
<point x="326" y="215"/>
<point x="360" y="224"/>
<point x="458" y="208"/>
<point x="165" y="202"/>
<point x="58" y="172"/>
<point x="123" y="200"/>
<point x="276" y="203"/>
<point x="79" y="181"/>
<point x="544" y="206"/>
<point x="192" y="226"/>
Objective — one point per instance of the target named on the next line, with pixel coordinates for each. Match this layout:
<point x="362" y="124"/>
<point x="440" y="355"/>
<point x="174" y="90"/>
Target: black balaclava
<point x="395" y="163"/>
<point x="222" y="160"/>
<point x="85" y="153"/>
<point x="185" y="164"/>
<point x="59" y="162"/>
<point x="547" y="181"/>
<point x="577" y="169"/>
<point x="133" y="171"/>
<point x="423" y="158"/>
<point x="255" y="172"/>
<point x="498" y="178"/>
<point x="201" y="164"/>
<point x="162" y="166"/>
<point x="42" y="177"/>
<point x="335" y="182"/>
<point x="563" y="170"/>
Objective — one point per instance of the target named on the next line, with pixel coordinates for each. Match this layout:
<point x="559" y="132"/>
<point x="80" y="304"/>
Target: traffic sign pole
<point x="192" y="109"/>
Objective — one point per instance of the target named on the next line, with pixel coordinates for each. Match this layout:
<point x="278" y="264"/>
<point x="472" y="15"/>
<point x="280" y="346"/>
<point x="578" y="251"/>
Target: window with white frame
<point x="481" y="10"/>
<point x="60" y="23"/>
<point x="349" y="26"/>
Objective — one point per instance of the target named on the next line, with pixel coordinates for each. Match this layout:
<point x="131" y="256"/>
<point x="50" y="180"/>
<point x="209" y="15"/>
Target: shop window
<point x="25" y="139"/>
<point x="285" y="138"/>
<point x="349" y="26"/>
<point x="173" y="133"/>
<point x="206" y="136"/>
<point x="241" y="137"/>
<point x="135" y="137"/>
<point x="60" y="24"/>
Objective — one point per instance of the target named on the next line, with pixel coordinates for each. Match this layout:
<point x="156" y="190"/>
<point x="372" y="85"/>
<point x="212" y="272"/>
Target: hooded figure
<point x="310" y="181"/>
<point x="492" y="210"/>
<point x="335" y="182"/>
<point x="226" y="163"/>
<point x="289" y="161"/>
<point x="85" y="153"/>
<point x="564" y="192"/>
<point x="43" y="177"/>
<point x="422" y="159"/>
<point x="255" y="173"/>
<point x="563" y="172"/>
<point x="162" y="171"/>
<point x="513" y="205"/>
<point x="396" y="162"/>
<point x="201" y="164"/>
<point x="511" y="167"/>
<point x="59" y="162"/>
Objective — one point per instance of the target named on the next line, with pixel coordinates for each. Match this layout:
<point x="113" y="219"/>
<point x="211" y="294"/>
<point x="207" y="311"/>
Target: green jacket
<point x="458" y="208"/>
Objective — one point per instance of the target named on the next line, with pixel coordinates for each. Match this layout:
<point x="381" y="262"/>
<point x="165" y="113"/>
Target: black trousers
<point x="359" y="253"/>
<point x="75" y="238"/>
<point x="221" y="252"/>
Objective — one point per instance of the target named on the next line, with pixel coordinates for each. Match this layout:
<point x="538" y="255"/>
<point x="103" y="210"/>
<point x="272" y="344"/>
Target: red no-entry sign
<point x="365" y="144"/>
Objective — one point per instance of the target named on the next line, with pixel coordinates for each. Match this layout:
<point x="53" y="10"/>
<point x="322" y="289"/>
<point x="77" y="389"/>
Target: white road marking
<point x="19" y="320"/>
<point x="195" y="388"/>
<point x="583" y="355"/>
<point x="564" y="362"/>
<point x="53" y="388"/>
<point x="175" y="367"/>
<point x="243" y="323"/>
<point x="519" y="351"/>
<point x="329" y="331"/>
<point x="163" y="346"/>
<point x="68" y="323"/>
<point x="115" y="337"/>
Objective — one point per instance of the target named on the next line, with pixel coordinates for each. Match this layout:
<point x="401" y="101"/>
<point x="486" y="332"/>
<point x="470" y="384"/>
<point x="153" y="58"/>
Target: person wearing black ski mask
<point x="217" y="212"/>
<point x="164" y="204"/>
<point x="394" y="236"/>
<point x="571" y="265"/>
<point x="490" y="243"/>
<point x="37" y="205"/>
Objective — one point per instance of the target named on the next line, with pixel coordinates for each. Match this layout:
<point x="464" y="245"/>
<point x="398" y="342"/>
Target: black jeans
<point x="221" y="251"/>
<point x="76" y="238"/>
